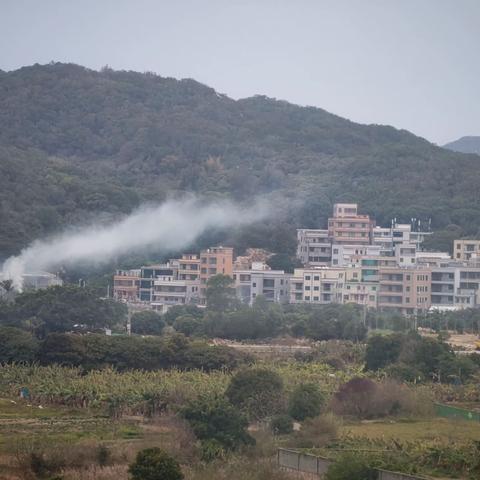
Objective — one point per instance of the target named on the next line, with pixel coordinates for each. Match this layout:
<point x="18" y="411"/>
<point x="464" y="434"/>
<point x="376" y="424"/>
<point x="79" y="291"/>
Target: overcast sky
<point x="414" y="64"/>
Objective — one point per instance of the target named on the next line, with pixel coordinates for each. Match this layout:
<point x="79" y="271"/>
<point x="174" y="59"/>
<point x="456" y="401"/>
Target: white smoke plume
<point x="170" y="226"/>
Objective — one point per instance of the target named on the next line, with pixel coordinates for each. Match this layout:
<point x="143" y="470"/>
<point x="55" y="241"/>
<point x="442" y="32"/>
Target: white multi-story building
<point x="273" y="285"/>
<point x="314" y="247"/>
<point x="344" y="255"/>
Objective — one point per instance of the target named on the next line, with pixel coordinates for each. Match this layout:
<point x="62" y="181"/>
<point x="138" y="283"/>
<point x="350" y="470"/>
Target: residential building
<point x="214" y="261"/>
<point x="126" y="285"/>
<point x="465" y="250"/>
<point x="355" y="290"/>
<point x="344" y="255"/>
<point x="398" y="233"/>
<point x="404" y="290"/>
<point x="406" y="254"/>
<point x="467" y="294"/>
<point x="349" y="227"/>
<point x="169" y="291"/>
<point x="188" y="267"/>
<point x="314" y="247"/>
<point x="149" y="273"/>
<point x="443" y="287"/>
<point x="317" y="285"/>
<point x="273" y="285"/>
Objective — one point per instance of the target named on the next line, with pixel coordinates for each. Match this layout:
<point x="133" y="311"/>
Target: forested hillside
<point x="465" y="145"/>
<point x="76" y="143"/>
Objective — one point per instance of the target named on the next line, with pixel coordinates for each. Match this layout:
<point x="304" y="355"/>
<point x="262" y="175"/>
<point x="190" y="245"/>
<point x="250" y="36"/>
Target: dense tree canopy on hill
<point x="76" y="143"/>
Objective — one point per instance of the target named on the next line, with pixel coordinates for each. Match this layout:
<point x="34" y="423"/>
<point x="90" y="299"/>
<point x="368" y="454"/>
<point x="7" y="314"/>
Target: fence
<point x="318" y="466"/>
<point x="455" y="412"/>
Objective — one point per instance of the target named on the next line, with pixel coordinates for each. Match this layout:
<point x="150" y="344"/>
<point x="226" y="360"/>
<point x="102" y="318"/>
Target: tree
<point x="147" y="322"/>
<point x="281" y="425"/>
<point x="17" y="345"/>
<point x="258" y="392"/>
<point x="382" y="350"/>
<point x="59" y="309"/>
<point x="155" y="464"/>
<point x="284" y="261"/>
<point x="305" y="401"/>
<point x="221" y="296"/>
<point x="215" y="419"/>
<point x="188" y="325"/>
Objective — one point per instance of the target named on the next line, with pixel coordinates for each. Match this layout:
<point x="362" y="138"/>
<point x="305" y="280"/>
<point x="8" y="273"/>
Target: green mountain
<point x="465" y="145"/>
<point x="76" y="144"/>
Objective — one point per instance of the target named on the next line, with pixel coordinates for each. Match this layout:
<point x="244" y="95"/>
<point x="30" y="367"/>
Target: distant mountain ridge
<point x="469" y="144"/>
<point x="77" y="143"/>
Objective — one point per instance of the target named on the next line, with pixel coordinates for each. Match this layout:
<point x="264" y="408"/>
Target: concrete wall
<point x="318" y="466"/>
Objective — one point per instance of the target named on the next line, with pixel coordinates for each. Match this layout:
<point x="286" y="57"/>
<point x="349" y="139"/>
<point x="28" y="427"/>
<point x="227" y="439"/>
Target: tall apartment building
<point x="316" y="285"/>
<point x="349" y="227"/>
<point x="465" y="250"/>
<point x="126" y="285"/>
<point x="314" y="247"/>
<point x="404" y="290"/>
<point x="214" y="261"/>
<point x="273" y="285"/>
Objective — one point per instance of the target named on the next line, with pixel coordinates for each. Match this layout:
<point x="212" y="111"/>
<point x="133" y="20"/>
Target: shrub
<point x="147" y="322"/>
<point x="350" y="467"/>
<point x="17" y="345"/>
<point x="281" y="425"/>
<point x="216" y="419"/>
<point x="155" y="464"/>
<point x="355" y="398"/>
<point x="257" y="392"/>
<point x="305" y="401"/>
<point x="363" y="398"/>
<point x="317" y="432"/>
<point x="188" y="325"/>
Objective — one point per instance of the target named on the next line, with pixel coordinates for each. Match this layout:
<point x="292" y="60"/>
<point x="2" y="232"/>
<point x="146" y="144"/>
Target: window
<point x="316" y="278"/>
<point x="316" y="288"/>
<point x="307" y="297"/>
<point x="307" y="287"/>
<point x="315" y="299"/>
<point x="307" y="277"/>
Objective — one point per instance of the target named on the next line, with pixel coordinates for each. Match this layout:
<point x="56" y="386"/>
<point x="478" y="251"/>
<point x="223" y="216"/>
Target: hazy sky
<point x="414" y="64"/>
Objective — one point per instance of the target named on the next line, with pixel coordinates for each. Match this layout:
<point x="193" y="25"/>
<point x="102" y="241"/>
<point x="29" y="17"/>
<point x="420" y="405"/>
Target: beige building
<point x="465" y="250"/>
<point x="404" y="290"/>
<point x="317" y="285"/>
<point x="214" y="261"/>
<point x="355" y="290"/>
<point x="126" y="284"/>
<point x="189" y="267"/>
<point x="349" y="227"/>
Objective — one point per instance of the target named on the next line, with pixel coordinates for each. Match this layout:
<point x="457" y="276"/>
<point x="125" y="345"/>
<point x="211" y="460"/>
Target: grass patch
<point x="408" y="430"/>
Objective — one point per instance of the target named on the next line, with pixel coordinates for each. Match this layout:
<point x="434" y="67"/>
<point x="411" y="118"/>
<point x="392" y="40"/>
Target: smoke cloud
<point x="170" y="226"/>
